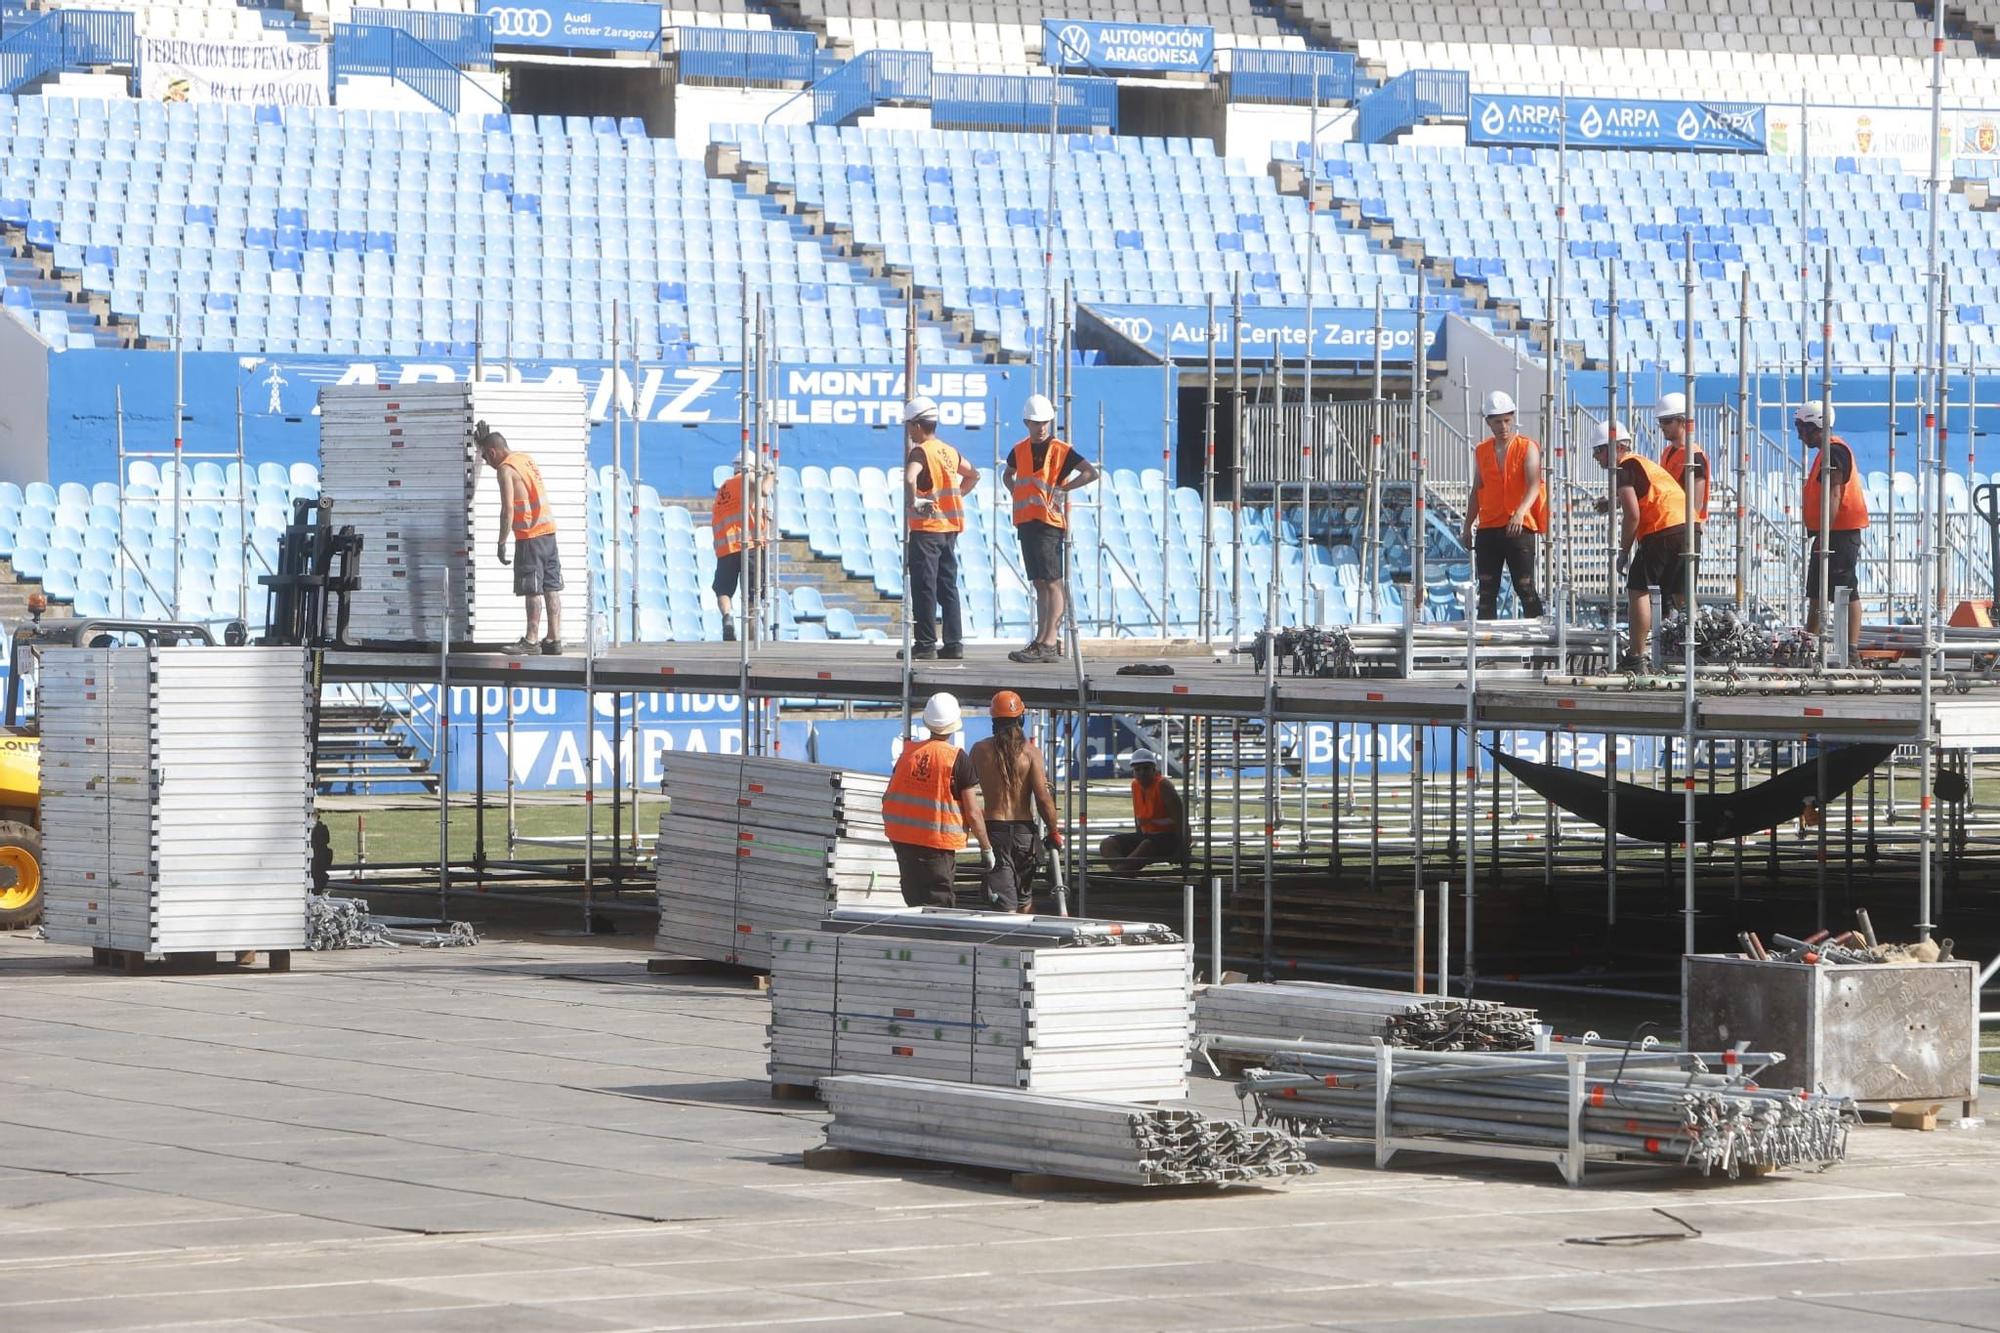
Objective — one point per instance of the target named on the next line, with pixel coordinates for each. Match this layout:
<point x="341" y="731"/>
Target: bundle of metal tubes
<point x="1853" y="946"/>
<point x="1641" y="1106"/>
<point x="345" y="923"/>
<point x="1318" y="1012"/>
<point x="994" y="927"/>
<point x="1124" y="1143"/>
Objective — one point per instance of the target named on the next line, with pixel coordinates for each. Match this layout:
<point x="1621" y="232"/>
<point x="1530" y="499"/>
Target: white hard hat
<point x="1617" y="431"/>
<point x="1499" y="403"/>
<point x="1670" y="405"/>
<point x="1811" y="413"/>
<point x="740" y="459"/>
<point x="941" y="715"/>
<point x="920" y="409"/>
<point x="1039" y="408"/>
<point x="1145" y="757"/>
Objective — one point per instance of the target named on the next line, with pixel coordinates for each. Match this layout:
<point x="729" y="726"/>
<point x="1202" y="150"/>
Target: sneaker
<point x="551" y="647"/>
<point x="728" y="631"/>
<point x="522" y="647"/>
<point x="953" y="652"/>
<point x="1638" y="664"/>
<point x="918" y="654"/>
<point x="1037" y="653"/>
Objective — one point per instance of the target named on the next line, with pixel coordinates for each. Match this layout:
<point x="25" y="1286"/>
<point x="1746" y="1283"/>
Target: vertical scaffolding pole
<point x="1371" y="520"/>
<point x="1557" y="428"/>
<point x="1823" y="521"/>
<point x="180" y="442"/>
<point x="1611" y="474"/>
<point x="902" y="469"/>
<point x="1166" y="483"/>
<point x="617" y="553"/>
<point x="1272" y="808"/>
<point x="243" y="543"/>
<point x="1208" y="485"/>
<point x="638" y="416"/>
<point x="1743" y="445"/>
<point x="1236" y="431"/>
<point x="1805" y="250"/>
<point x="1420" y="381"/>
<point x="1309" y="436"/>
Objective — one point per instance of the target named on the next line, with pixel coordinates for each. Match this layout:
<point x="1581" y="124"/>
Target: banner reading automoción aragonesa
<point x="264" y="73"/>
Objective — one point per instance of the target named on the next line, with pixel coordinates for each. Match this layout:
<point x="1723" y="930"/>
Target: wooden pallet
<point x="755" y="978"/>
<point x="133" y="963"/>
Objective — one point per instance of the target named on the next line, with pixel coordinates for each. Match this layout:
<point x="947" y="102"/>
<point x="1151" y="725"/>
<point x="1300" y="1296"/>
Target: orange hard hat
<point x="1008" y="704"/>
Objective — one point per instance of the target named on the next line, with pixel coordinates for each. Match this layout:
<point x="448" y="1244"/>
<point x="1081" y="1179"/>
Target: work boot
<point x="952" y="652"/>
<point x="918" y="654"/>
<point x="1637" y="664"/>
<point x="551" y="647"/>
<point x="522" y="647"/>
<point x="728" y="630"/>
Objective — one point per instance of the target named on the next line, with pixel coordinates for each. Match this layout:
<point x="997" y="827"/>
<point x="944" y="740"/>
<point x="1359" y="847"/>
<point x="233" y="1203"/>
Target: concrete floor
<point x="539" y="1135"/>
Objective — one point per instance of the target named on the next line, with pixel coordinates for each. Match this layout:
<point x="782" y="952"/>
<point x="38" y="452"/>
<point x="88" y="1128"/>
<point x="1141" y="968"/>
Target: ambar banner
<point x="1145" y="48"/>
<point x="263" y="73"/>
<point x="574" y="25"/>
<point x="1182" y="332"/>
<point x="1600" y="122"/>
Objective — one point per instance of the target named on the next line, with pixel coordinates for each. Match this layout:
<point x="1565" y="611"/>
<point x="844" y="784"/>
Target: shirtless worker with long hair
<point x="1015" y="786"/>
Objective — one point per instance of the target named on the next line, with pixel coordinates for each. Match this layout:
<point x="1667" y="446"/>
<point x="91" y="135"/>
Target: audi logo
<point x="512" y="22"/>
<point x="1136" y="327"/>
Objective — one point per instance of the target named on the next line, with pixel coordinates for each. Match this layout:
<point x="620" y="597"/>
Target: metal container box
<point x="1881" y="1034"/>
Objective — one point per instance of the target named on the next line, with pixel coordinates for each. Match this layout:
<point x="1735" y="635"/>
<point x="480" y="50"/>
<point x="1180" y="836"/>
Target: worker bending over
<point x="929" y="806"/>
<point x="525" y="515"/>
<point x="1652" y="536"/>
<point x="1162" y="831"/>
<point x="740" y="538"/>
<point x="1847" y="511"/>
<point x="1040" y="473"/>
<point x="1014" y="787"/>
<point x="1506" y="509"/>
<point x="1684" y="460"/>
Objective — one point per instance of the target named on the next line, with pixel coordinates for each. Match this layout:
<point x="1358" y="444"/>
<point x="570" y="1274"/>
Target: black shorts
<point x="926" y="874"/>
<point x="1656" y="562"/>
<point x="729" y="572"/>
<point x="1843" y="562"/>
<point x="1041" y="551"/>
<point x="1017" y="855"/>
<point x="537" y="566"/>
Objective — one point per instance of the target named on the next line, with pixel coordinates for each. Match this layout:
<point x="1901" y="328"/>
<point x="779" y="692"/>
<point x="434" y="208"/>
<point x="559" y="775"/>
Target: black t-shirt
<point x="1839" y="462"/>
<point x="964" y="777"/>
<point x="1037" y="453"/>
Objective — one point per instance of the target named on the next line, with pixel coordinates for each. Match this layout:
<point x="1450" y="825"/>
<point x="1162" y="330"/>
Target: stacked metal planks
<point x="177" y="791"/>
<point x="1089" y="1022"/>
<point x="749" y="846"/>
<point x="1315" y="1011"/>
<point x="549" y="424"/>
<point x="1040" y="1134"/>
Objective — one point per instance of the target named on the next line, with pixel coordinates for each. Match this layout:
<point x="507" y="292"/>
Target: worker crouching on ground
<point x="525" y="515"/>
<point x="1652" y="537"/>
<point x="1162" y="820"/>
<point x="937" y="481"/>
<point x="1014" y="787"/>
<point x="1507" y="507"/>
<point x="929" y="806"/>
<point x="1040" y="473"/>
<point x="1847" y="512"/>
<point x="739" y="538"/>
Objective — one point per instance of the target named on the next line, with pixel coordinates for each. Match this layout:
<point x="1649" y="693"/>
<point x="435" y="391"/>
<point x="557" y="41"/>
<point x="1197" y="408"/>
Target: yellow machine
<point x="21" y="749"/>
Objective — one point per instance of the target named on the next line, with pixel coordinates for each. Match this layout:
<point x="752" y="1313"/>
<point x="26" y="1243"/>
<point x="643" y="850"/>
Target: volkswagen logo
<point x="1492" y="120"/>
<point x="1074" y="41"/>
<point x="512" y="22"/>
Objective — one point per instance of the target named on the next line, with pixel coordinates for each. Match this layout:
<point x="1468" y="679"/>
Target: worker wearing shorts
<point x="1017" y="856"/>
<point x="526" y="517"/>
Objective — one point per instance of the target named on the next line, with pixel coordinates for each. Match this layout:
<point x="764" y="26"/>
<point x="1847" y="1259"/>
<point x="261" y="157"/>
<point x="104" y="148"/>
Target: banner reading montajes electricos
<point x="1181" y="332"/>
<point x="575" y="25"/>
<point x="1145" y="48"/>
<point x="264" y="73"/>
<point x="1599" y="122"/>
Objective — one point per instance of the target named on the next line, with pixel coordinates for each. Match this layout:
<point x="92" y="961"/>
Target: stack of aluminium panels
<point x="177" y="798"/>
<point x="398" y="463"/>
<point x="749" y="846"/>
<point x="1101" y="1023"/>
<point x="1317" y="1011"/>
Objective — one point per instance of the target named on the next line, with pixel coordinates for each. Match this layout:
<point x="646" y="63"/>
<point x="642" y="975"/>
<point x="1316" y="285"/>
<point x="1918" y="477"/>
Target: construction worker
<point x="1684" y="460"/>
<point x="1505" y="510"/>
<point x="738" y="534"/>
<point x="1652" y="536"/>
<point x="938" y="479"/>
<point x="929" y="806"/>
<point x="1156" y="806"/>
<point x="525" y="515"/>
<point x="1040" y="473"/>
<point x="1014" y="788"/>
<point x="1847" y="505"/>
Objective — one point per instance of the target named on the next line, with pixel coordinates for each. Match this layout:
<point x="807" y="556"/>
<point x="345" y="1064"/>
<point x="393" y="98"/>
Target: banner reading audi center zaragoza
<point x="575" y="25"/>
<point x="262" y="73"/>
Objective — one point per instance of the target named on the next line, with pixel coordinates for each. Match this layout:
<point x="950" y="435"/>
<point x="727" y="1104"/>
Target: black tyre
<point x="20" y="875"/>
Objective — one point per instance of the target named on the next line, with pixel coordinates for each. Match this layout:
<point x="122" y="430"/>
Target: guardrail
<point x="98" y="37"/>
<point x="1412" y="98"/>
<point x="1020" y="102"/>
<point x="741" y="56"/>
<point x="64" y="39"/>
<point x="872" y="79"/>
<point x="392" y="53"/>
<point x="1287" y="77"/>
<point x="463" y="39"/>
<point x="30" y="53"/>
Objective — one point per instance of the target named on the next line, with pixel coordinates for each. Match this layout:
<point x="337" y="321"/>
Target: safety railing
<point x="720" y="57"/>
<point x="1287" y="78"/>
<point x="870" y="80"/>
<point x="1020" y="103"/>
<point x="30" y="53"/>
<point x="391" y="53"/>
<point x="466" y="40"/>
<point x="1414" y="97"/>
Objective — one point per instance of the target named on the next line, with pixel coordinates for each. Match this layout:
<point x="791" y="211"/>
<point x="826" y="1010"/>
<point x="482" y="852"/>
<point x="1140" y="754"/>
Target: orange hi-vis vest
<point x="919" y="807"/>
<point x="941" y="461"/>
<point x="1675" y="460"/>
<point x="1038" y="494"/>
<point x="1852" y="511"/>
<point x="1501" y="489"/>
<point x="728" y="517"/>
<point x="1149" y="807"/>
<point x="1664" y="505"/>
<point x="531" y="509"/>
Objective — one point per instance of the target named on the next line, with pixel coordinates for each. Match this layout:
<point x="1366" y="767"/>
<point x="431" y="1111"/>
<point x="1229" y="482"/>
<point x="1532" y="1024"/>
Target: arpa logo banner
<point x="1597" y="122"/>
<point x="1141" y="48"/>
<point x="575" y="25"/>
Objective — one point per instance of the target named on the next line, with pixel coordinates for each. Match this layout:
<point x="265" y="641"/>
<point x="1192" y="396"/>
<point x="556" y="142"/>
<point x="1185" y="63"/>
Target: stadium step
<point x="14" y="593"/>
<point x="362" y="746"/>
<point x="837" y="589"/>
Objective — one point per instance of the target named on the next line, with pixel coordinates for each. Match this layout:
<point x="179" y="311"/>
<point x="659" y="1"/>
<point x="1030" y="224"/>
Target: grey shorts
<point x="537" y="567"/>
<point x="1017" y="855"/>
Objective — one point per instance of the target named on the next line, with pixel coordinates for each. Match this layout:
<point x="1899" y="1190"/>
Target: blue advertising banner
<point x="1145" y="48"/>
<point x="574" y="25"/>
<point x="1181" y="332"/>
<point x="1601" y="122"/>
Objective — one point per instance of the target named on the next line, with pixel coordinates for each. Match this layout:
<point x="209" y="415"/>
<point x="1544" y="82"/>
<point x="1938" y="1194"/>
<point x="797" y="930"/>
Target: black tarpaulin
<point x="1649" y="815"/>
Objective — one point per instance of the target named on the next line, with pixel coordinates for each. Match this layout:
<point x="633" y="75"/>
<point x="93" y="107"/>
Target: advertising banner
<point x="1600" y="122"/>
<point x="574" y="25"/>
<point x="263" y="73"/>
<point x="1141" y="48"/>
<point x="1181" y="332"/>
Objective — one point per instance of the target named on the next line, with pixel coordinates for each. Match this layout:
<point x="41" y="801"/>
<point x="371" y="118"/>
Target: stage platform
<point x="1207" y="683"/>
